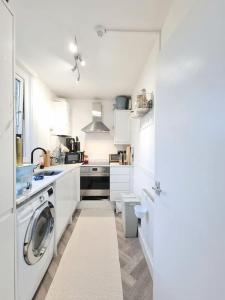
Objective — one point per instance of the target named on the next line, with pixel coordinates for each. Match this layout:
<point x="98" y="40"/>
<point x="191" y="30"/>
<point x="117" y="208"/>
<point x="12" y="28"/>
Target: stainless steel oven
<point x="94" y="182"/>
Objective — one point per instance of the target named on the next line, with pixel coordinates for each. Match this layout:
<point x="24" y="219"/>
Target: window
<point x="20" y="109"/>
<point x="19" y="98"/>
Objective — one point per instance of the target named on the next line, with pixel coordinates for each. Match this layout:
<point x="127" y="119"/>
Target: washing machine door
<point x="39" y="233"/>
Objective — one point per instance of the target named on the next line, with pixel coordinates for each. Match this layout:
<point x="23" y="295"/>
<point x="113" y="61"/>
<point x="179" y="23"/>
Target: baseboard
<point x="147" y="254"/>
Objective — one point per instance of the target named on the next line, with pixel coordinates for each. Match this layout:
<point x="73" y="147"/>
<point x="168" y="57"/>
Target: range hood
<point x="96" y="126"/>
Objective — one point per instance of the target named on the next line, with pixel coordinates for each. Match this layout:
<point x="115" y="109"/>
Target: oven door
<point x="94" y="185"/>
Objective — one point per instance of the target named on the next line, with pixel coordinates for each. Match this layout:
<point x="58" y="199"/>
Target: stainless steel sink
<point x="48" y="173"/>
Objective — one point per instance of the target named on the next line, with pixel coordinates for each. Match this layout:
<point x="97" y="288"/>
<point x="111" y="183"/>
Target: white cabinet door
<point x="6" y="110"/>
<point x="61" y="117"/>
<point x="64" y="197"/>
<point x="7" y="262"/>
<point x="119" y="182"/>
<point x="67" y="197"/>
<point x="7" y="257"/>
<point x="76" y="191"/>
<point x="75" y="188"/>
<point x="122" y="127"/>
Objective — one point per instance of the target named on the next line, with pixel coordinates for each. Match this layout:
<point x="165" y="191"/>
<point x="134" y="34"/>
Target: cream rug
<point x="89" y="268"/>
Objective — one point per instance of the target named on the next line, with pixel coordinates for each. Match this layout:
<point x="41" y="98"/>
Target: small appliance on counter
<point x="77" y="145"/>
<point x="73" y="144"/>
<point x="122" y="157"/>
<point x="70" y="144"/>
<point x="114" y="158"/>
<point x="74" y="157"/>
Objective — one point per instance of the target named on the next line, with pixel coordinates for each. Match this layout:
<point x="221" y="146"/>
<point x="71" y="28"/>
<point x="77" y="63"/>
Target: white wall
<point x="38" y="105"/>
<point x="98" y="146"/>
<point x="143" y="132"/>
<point x="143" y="140"/>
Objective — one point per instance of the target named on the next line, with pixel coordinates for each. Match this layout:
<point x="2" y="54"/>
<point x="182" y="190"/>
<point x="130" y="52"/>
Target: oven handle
<point x="94" y="174"/>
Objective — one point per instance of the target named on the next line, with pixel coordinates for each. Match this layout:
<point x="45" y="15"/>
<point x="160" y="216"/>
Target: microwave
<point x="73" y="157"/>
<point x="114" y="158"/>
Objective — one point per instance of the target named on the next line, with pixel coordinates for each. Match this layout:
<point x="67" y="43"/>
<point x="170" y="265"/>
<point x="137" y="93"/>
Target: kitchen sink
<point x="48" y="173"/>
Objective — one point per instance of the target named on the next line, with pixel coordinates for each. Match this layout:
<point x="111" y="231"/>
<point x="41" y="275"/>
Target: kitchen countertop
<point x="119" y="165"/>
<point x="105" y="165"/>
<point x="39" y="185"/>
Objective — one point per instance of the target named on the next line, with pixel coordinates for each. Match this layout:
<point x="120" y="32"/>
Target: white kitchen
<point x="112" y="150"/>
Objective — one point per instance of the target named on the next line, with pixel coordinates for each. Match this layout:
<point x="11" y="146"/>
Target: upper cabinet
<point x="122" y="127"/>
<point x="61" y="117"/>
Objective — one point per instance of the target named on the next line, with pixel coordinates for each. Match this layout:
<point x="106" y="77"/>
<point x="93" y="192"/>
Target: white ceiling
<point x="44" y="29"/>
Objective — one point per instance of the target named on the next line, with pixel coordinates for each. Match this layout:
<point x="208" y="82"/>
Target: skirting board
<point x="147" y="254"/>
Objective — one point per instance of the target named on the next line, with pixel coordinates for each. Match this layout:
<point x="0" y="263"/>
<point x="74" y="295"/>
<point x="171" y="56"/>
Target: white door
<point x="7" y="248"/>
<point x="6" y="110"/>
<point x="189" y="228"/>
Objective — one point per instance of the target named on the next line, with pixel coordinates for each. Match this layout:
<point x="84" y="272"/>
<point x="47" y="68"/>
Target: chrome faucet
<point x="32" y="153"/>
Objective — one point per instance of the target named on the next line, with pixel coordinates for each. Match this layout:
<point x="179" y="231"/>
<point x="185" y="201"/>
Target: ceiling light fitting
<point x="78" y="60"/>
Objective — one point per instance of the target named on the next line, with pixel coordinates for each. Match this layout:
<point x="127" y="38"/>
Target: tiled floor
<point x="136" y="280"/>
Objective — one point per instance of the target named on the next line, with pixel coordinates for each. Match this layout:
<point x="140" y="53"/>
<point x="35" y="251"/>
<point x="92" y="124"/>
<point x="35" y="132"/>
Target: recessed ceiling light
<point x="73" y="48"/>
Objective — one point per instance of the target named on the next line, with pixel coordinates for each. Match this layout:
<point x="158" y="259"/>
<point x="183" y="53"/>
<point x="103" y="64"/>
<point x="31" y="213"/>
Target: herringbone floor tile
<point x="136" y="279"/>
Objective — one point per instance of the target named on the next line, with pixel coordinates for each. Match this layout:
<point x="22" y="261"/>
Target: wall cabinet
<point x="7" y="218"/>
<point x="67" y="197"/>
<point x="61" y="117"/>
<point x="122" y="127"/>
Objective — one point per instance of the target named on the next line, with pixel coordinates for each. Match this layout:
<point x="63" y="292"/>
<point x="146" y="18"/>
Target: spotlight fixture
<point x="73" y="47"/>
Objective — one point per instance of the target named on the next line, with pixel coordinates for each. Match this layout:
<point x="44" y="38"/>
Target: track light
<point x="83" y="63"/>
<point x="73" y="47"/>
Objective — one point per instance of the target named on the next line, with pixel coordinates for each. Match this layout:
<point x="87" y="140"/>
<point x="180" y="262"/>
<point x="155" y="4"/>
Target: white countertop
<point x="119" y="165"/>
<point x="39" y="185"/>
<point x="96" y="164"/>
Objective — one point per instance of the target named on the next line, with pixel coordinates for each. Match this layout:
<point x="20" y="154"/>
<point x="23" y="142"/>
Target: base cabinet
<point x="67" y="197"/>
<point x="76" y="187"/>
<point x="120" y="182"/>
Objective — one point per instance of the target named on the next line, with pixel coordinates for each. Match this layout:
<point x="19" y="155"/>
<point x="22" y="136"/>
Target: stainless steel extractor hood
<point x="96" y="126"/>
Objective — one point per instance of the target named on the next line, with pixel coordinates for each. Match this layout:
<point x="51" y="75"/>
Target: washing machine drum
<point x="39" y="233"/>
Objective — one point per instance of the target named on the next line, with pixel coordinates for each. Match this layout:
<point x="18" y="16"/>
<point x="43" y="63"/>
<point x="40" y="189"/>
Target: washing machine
<point x="35" y="241"/>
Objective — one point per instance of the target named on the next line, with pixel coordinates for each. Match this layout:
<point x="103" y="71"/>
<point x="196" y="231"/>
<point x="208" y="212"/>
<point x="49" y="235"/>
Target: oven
<point x="94" y="182"/>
